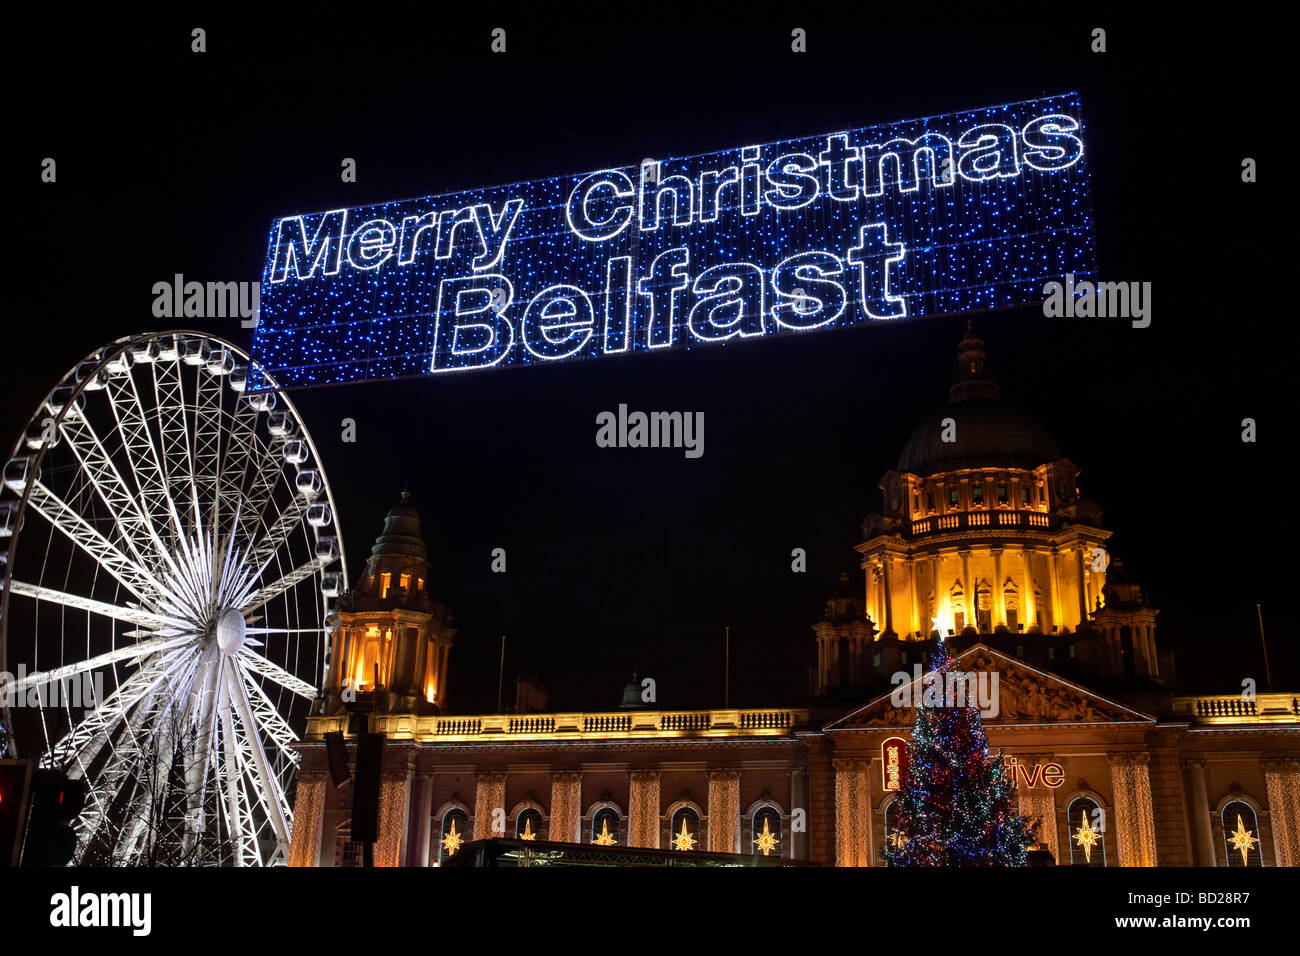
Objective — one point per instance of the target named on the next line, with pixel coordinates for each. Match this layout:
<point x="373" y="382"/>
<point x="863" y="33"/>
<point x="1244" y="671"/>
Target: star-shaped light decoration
<point x="452" y="841"/>
<point x="604" y="837"/>
<point x="1086" y="836"/>
<point x="766" y="841"/>
<point x="684" y="840"/>
<point x="1243" y="840"/>
<point x="528" y="833"/>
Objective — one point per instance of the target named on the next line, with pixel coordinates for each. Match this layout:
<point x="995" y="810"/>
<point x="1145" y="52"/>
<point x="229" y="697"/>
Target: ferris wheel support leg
<point x="271" y="787"/>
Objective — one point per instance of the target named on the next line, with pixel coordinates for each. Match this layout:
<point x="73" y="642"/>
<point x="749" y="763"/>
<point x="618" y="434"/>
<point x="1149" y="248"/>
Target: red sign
<point x="893" y="758"/>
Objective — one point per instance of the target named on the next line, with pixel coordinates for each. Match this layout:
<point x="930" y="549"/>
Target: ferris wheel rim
<point x="239" y="667"/>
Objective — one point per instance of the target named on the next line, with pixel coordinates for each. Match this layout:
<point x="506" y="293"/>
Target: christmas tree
<point x="957" y="804"/>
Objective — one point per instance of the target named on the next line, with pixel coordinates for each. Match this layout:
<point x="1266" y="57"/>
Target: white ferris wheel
<point x="167" y="538"/>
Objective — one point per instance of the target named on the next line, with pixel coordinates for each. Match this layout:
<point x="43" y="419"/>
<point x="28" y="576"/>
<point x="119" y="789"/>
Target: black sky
<point x="170" y="163"/>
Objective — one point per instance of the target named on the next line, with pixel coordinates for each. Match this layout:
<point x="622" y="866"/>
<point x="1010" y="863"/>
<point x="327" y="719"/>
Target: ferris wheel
<point x="169" y="555"/>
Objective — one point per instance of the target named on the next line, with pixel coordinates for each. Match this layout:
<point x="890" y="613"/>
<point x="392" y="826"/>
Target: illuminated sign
<point x="893" y="760"/>
<point x="1050" y="775"/>
<point x="955" y="213"/>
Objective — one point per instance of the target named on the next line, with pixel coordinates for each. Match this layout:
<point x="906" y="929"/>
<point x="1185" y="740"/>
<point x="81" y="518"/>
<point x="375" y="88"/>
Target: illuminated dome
<point x="990" y="433"/>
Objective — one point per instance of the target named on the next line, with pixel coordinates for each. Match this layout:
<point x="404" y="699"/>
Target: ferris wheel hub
<point x="231" y="629"/>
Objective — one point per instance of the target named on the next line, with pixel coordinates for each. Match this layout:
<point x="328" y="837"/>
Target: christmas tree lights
<point x="957" y="806"/>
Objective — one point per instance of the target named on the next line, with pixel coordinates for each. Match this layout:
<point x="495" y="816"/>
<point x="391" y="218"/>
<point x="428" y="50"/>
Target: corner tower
<point x="392" y="641"/>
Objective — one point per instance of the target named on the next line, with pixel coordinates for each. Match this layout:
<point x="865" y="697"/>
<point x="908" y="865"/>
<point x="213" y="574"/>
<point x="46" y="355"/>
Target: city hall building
<point x="984" y="540"/>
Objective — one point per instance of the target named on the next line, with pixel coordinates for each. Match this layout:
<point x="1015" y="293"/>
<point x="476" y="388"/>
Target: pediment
<point x="1026" y="696"/>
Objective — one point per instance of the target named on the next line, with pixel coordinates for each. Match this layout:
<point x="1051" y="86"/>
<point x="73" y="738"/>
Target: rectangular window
<point x="977" y="494"/>
<point x="1020" y="650"/>
<point x="1071" y="652"/>
<point x="904" y="658"/>
<point x="419" y="584"/>
<point x="929" y="501"/>
<point x="1024" y="495"/>
<point x="1051" y="653"/>
<point x="1002" y="494"/>
<point x="406" y="582"/>
<point x="952" y="496"/>
<point x="385" y="582"/>
<point x="875" y="659"/>
<point x="916" y="502"/>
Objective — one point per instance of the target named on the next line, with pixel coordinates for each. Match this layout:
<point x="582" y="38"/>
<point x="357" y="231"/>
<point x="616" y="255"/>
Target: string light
<point x="957" y="803"/>
<point x="954" y="213"/>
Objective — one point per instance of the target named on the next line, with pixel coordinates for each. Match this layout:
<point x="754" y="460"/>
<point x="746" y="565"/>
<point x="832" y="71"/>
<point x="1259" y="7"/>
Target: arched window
<point x="957" y="603"/>
<point x="1011" y="599"/>
<point x="984" y="607"/>
<point x="528" y="824"/>
<point x="684" y="830"/>
<point x="893" y="840"/>
<point x="1241" y="834"/>
<point x="453" y="834"/>
<point x="1086" y="825"/>
<point x="766" y="839"/>
<point x="605" y="827"/>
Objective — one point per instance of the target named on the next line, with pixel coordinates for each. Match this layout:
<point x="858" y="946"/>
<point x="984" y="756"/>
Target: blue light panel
<point x="941" y="215"/>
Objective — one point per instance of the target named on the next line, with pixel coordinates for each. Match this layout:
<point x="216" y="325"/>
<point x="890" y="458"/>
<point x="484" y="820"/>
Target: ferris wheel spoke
<point x="284" y="583"/>
<point x="142" y="453"/>
<point x="163" y="624"/>
<point x="95" y="729"/>
<point x="278" y="532"/>
<point x="242" y="449"/>
<point x="173" y="429"/>
<point x="268" y="718"/>
<point x="142" y="649"/>
<point x="129" y="573"/>
<point x="270" y="794"/>
<point x="135" y="529"/>
<point x="277" y="674"/>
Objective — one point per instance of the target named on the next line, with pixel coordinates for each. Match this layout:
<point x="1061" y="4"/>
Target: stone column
<point x="394" y="809"/>
<point x="1083" y="590"/>
<point x="724" y="811"/>
<point x="489" y="797"/>
<point x="999" y="596"/>
<point x="308" y="815"/>
<point x="1027" y="604"/>
<point x="423" y="829"/>
<point x="1054" y="584"/>
<point x="967" y="589"/>
<point x="887" y="584"/>
<point x="643" y="809"/>
<point x="852" y="813"/>
<point x="798" y="839"/>
<point x="566" y="806"/>
<point x="911" y="586"/>
<point x="1135" y="832"/>
<point x="1282" y="781"/>
<point x="1200" y="814"/>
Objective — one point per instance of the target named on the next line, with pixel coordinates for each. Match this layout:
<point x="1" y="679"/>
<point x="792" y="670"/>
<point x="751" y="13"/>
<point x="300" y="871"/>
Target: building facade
<point x="983" y="542"/>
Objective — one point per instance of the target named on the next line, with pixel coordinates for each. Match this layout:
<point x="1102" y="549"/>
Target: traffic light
<point x="56" y="801"/>
<point x="15" y="777"/>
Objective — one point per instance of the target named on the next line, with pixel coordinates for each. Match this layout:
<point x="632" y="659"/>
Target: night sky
<point x="622" y="560"/>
